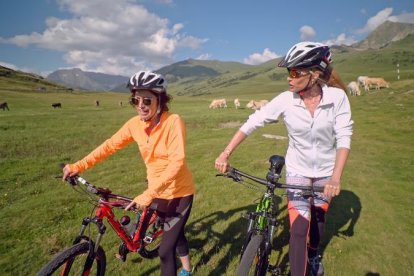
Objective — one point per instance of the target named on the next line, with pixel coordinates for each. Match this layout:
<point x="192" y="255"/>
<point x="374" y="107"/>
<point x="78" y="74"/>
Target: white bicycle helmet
<point x="147" y="80"/>
<point x="307" y="55"/>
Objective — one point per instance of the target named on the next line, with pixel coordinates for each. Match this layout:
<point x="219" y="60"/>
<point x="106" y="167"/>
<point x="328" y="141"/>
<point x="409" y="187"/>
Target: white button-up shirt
<point x="313" y="141"/>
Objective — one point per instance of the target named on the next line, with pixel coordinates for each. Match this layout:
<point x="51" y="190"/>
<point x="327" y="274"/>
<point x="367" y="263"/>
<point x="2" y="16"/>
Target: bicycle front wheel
<point x="74" y="261"/>
<point x="254" y="260"/>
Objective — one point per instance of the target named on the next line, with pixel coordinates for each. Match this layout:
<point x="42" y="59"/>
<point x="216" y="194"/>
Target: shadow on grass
<point x="231" y="237"/>
<point x="344" y="210"/>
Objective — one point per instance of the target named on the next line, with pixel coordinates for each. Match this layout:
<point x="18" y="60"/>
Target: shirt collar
<point x="326" y="99"/>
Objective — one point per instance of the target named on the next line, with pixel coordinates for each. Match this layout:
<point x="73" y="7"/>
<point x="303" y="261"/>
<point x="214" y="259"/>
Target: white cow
<point x="353" y="88"/>
<point x="236" y="103"/>
<point x="256" y="104"/>
<point x="361" y="80"/>
<point x="216" y="103"/>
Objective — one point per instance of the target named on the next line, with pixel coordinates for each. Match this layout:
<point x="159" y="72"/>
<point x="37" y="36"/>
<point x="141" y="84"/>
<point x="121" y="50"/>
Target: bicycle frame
<point x="104" y="211"/>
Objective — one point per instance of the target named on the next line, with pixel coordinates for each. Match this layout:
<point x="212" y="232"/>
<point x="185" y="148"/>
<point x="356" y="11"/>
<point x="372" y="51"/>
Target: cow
<point x="97" y="103"/>
<point x="4" y="106"/>
<point x="256" y="104"/>
<point x="361" y="80"/>
<point x="377" y="83"/>
<point x="353" y="88"/>
<point x="236" y="103"/>
<point x="55" y="105"/>
<point x="218" y="103"/>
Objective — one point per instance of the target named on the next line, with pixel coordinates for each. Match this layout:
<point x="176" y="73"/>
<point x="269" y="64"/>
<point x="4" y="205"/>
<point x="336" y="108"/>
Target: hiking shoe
<point x="316" y="266"/>
<point x="184" y="272"/>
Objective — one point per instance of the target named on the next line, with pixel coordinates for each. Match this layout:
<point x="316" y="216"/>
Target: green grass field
<point x="370" y="227"/>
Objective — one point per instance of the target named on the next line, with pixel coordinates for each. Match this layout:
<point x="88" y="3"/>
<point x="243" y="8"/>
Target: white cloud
<point x="9" y="65"/>
<point x="307" y="33"/>
<point x="403" y="18"/>
<point x="164" y="2"/>
<point x="258" y="58"/>
<point x="375" y="21"/>
<point x="110" y="36"/>
<point x="204" y="57"/>
<point x="341" y="39"/>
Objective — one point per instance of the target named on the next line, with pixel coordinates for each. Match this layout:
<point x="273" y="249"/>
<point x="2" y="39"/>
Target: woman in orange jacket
<point x="160" y="136"/>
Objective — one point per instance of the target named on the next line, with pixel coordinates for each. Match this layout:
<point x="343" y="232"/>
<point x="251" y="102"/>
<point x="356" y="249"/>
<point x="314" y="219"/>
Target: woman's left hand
<point x="332" y="188"/>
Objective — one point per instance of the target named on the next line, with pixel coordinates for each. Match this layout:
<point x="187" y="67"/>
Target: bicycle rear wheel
<point x="152" y="240"/>
<point x="254" y="260"/>
<point x="73" y="260"/>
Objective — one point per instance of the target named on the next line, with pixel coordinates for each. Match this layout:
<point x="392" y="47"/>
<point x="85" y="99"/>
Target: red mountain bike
<point x="86" y="256"/>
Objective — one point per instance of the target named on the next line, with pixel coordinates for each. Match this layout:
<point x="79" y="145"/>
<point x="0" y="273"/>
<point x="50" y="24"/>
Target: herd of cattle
<point x="222" y="103"/>
<point x="367" y="83"/>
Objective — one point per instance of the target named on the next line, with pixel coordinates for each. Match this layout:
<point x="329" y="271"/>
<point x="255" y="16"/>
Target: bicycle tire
<point x="71" y="261"/>
<point x="155" y="232"/>
<point x="254" y="259"/>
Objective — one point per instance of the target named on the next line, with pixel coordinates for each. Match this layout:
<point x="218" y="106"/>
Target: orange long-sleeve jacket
<point x="163" y="151"/>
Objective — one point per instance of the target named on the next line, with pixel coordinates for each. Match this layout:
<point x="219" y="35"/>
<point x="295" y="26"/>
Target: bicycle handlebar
<point x="103" y="193"/>
<point x="272" y="180"/>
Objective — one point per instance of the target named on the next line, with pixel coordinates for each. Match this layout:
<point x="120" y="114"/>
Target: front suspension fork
<point x="101" y="231"/>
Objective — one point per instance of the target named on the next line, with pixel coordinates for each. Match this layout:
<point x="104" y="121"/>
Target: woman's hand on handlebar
<point x="222" y="163"/>
<point x="332" y="188"/>
<point x="136" y="203"/>
<point x="67" y="172"/>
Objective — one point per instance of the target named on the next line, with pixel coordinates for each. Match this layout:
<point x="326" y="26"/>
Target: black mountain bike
<point x="255" y="253"/>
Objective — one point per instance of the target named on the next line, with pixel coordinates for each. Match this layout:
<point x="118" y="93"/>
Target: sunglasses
<point x="145" y="101"/>
<point x="294" y="73"/>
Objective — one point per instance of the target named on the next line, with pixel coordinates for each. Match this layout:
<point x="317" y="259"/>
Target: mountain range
<point x="201" y="77"/>
<point x="82" y="80"/>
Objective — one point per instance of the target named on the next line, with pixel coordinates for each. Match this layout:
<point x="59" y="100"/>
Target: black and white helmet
<point x="307" y="55"/>
<point x="147" y="80"/>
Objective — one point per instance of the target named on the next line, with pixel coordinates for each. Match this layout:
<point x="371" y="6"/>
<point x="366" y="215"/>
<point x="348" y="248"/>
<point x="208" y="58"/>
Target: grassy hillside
<point x="369" y="228"/>
<point x="22" y="81"/>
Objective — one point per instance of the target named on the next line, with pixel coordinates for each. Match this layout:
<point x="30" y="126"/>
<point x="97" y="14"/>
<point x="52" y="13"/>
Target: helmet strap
<point x="302" y="92"/>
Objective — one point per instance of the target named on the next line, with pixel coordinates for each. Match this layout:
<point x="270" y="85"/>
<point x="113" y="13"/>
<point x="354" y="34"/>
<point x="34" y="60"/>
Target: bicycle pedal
<point x="274" y="270"/>
<point x="148" y="239"/>
<point x="120" y="257"/>
<point x="122" y="252"/>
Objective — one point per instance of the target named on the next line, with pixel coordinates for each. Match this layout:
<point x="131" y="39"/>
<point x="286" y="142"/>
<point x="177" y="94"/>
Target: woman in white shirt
<point x="317" y="115"/>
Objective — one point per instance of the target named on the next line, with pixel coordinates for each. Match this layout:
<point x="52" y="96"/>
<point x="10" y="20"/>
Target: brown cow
<point x="4" y="106"/>
<point x="256" y="104"/>
<point x="55" y="105"/>
<point x="218" y="103"/>
<point x="375" y="82"/>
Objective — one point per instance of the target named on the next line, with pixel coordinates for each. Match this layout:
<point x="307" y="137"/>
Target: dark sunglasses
<point x="145" y="101"/>
<point x="294" y="73"/>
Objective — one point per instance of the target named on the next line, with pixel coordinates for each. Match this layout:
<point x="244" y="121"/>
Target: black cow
<point x="4" y="106"/>
<point x="57" y="105"/>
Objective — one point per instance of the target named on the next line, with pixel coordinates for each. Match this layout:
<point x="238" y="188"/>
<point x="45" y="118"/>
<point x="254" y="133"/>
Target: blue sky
<point x="124" y="36"/>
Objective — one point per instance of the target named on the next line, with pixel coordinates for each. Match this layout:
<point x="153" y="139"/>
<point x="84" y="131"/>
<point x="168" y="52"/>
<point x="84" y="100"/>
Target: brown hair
<point x="331" y="78"/>
<point x="164" y="99"/>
